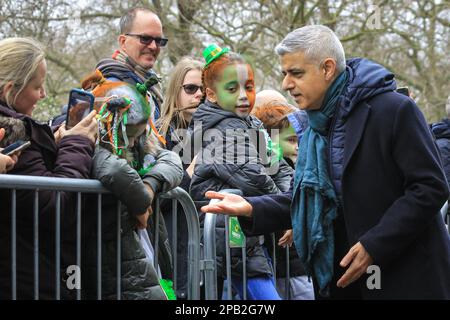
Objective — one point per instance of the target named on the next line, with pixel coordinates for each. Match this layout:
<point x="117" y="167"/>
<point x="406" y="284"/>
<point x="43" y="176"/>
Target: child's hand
<point x="7" y="163"/>
<point x="286" y="239"/>
<point x="143" y="218"/>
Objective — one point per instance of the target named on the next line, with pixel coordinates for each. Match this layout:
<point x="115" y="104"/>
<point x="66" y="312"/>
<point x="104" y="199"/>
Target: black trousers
<point x="352" y="291"/>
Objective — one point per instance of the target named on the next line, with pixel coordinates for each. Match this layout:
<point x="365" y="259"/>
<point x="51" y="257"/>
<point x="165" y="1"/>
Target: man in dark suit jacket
<point x="376" y="200"/>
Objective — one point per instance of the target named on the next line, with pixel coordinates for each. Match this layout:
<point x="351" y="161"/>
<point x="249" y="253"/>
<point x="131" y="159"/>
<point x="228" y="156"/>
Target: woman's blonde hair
<point x="19" y="59"/>
<point x="169" y="109"/>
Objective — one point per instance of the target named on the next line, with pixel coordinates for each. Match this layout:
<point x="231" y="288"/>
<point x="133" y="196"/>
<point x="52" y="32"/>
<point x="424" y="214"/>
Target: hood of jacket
<point x="366" y="80"/>
<point x="299" y="121"/>
<point x="441" y="129"/>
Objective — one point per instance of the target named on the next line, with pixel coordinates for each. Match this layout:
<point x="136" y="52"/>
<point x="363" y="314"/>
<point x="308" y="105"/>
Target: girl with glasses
<point x="182" y="97"/>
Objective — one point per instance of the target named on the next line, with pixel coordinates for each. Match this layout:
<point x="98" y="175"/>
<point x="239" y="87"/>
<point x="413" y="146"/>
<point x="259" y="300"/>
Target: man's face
<point x="305" y="80"/>
<point x="235" y="89"/>
<point x="146" y="24"/>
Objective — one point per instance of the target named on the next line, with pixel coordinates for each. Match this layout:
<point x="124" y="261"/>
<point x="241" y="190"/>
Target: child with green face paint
<point x="276" y="117"/>
<point x="228" y="81"/>
<point x="230" y="95"/>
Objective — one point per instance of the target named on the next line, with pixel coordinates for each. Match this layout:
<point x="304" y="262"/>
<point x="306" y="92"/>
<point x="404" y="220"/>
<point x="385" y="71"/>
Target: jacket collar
<point x="355" y="124"/>
<point x="43" y="137"/>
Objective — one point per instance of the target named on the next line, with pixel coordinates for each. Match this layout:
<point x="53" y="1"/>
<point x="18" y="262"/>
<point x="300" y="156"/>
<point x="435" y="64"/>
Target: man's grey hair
<point x="126" y="21"/>
<point x="317" y="42"/>
<point x="447" y="107"/>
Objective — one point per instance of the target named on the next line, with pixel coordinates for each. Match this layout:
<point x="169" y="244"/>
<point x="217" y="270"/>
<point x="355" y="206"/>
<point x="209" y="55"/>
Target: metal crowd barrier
<point x="209" y="264"/>
<point x="193" y="226"/>
<point x="79" y="186"/>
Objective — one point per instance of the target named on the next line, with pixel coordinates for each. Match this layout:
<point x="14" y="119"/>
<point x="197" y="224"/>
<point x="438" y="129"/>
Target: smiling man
<point x="140" y="41"/>
<point x="368" y="184"/>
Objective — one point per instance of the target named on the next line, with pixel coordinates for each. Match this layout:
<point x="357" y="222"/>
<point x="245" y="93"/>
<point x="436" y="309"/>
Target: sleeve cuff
<point x="154" y="184"/>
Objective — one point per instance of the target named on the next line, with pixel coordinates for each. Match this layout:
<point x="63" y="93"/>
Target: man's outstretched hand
<point x="230" y="204"/>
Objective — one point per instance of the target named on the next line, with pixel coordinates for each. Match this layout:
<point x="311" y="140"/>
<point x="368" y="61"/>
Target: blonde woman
<point x="182" y="97"/>
<point x="22" y="77"/>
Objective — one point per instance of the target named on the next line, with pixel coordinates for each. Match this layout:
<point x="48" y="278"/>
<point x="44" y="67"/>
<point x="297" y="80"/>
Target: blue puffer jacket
<point x="366" y="80"/>
<point x="441" y="131"/>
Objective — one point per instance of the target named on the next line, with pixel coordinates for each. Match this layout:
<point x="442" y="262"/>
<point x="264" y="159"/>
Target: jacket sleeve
<point x="283" y="175"/>
<point x="73" y="160"/>
<point x="271" y="213"/>
<point x="167" y="173"/>
<point x="425" y="187"/>
<point x="122" y="180"/>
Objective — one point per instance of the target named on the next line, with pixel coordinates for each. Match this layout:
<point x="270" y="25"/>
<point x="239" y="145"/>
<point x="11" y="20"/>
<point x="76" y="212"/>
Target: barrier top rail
<point x="38" y="183"/>
<point x="51" y="183"/>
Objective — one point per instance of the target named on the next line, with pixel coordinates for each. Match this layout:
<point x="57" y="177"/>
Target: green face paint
<point x="236" y="89"/>
<point x="289" y="143"/>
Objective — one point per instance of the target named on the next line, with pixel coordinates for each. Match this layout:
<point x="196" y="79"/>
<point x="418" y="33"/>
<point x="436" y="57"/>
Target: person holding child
<point x="127" y="162"/>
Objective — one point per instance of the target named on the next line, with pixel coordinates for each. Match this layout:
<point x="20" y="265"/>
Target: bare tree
<point x="411" y="38"/>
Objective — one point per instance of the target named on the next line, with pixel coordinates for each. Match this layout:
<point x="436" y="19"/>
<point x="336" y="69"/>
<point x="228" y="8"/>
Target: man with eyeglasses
<point x="140" y="41"/>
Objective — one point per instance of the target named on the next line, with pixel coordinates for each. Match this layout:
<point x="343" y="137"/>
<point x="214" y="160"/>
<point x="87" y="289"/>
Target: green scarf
<point x="314" y="203"/>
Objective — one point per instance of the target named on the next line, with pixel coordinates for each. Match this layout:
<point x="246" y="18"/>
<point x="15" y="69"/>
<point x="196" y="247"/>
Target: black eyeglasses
<point x="160" y="42"/>
<point x="191" y="88"/>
